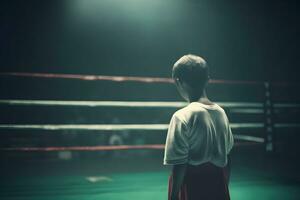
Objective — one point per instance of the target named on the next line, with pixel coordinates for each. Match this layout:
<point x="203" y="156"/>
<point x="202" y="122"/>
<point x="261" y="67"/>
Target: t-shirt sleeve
<point x="176" y="148"/>
<point x="230" y="139"/>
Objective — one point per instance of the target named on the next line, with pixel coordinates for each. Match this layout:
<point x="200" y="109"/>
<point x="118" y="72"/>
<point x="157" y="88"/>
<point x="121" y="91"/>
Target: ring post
<point x="268" y="111"/>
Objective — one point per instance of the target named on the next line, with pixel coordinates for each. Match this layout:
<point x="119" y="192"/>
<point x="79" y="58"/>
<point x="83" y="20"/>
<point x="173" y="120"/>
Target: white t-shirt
<point x="198" y="133"/>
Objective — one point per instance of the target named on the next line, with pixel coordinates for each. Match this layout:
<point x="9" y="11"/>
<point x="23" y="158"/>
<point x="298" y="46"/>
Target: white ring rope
<point x="247" y="110"/>
<point x="236" y="107"/>
<point x="175" y="104"/>
<point x="110" y="127"/>
<point x="120" y="127"/>
<point x="249" y="138"/>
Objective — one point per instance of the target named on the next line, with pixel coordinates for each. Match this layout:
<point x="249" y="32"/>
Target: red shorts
<point x="205" y="181"/>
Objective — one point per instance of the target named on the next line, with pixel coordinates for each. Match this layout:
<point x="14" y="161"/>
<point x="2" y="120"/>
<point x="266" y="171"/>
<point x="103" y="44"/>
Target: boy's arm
<point x="178" y="173"/>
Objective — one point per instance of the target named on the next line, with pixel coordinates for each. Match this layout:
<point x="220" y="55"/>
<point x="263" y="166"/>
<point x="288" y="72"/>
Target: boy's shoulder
<point x="193" y="109"/>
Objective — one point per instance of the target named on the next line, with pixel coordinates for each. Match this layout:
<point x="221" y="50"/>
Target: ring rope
<point x="117" y="78"/>
<point x="132" y="78"/>
<point x="85" y="148"/>
<point x="161" y="127"/>
<point x="91" y="77"/>
<point x="102" y="148"/>
<point x="121" y="103"/>
<point x="175" y="104"/>
<point x="257" y="109"/>
<point x="111" y="127"/>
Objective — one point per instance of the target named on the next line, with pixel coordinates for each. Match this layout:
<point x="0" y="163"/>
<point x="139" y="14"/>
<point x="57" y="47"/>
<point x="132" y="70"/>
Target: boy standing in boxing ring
<point x="199" y="138"/>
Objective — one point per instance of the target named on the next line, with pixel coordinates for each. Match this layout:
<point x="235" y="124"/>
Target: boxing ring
<point x="255" y="124"/>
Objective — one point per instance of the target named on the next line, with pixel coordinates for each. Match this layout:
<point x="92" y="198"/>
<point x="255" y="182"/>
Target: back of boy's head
<point x="193" y="70"/>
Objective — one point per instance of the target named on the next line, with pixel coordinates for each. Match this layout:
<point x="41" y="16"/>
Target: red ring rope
<point x="102" y="148"/>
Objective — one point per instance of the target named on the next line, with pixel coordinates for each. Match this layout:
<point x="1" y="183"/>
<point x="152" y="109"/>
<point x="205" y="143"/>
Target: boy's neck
<point x="202" y="99"/>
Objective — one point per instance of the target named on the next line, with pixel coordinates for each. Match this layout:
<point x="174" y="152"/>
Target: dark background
<point x="248" y="40"/>
<point x="241" y="40"/>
